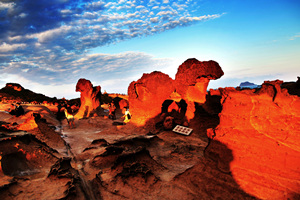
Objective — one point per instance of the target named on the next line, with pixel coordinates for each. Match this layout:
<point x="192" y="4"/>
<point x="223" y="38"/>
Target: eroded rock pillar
<point x="90" y="98"/>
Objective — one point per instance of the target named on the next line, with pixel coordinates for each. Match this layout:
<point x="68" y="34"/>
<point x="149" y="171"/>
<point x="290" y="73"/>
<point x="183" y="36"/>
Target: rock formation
<point x="14" y="86"/>
<point x="90" y="98"/>
<point x="14" y="92"/>
<point x="123" y="103"/>
<point x="147" y="95"/>
<point x="261" y="128"/>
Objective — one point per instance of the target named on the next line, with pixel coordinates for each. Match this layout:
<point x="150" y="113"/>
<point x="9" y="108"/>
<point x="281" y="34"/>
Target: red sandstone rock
<point x="147" y="95"/>
<point x="123" y="103"/>
<point x="192" y="69"/>
<point x="262" y="129"/>
<point x="192" y="79"/>
<point x="90" y="98"/>
<point x="29" y="122"/>
<point x="173" y="106"/>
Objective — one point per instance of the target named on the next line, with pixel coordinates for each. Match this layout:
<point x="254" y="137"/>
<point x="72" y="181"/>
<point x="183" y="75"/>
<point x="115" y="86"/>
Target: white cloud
<point x="4" y="47"/>
<point x="49" y="35"/>
<point x="22" y="15"/>
<point x="57" y="52"/>
<point x="6" y="5"/>
<point x="140" y="7"/>
<point x="163" y="13"/>
<point x="154" y="19"/>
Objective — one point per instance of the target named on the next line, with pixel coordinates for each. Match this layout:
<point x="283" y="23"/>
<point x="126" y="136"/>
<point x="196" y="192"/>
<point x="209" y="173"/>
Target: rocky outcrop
<point x="14" y="86"/>
<point x="123" y="103"/>
<point x="14" y="92"/>
<point x="29" y="122"/>
<point x="147" y="95"/>
<point x="261" y="128"/>
<point x="192" y="79"/>
<point x="90" y="98"/>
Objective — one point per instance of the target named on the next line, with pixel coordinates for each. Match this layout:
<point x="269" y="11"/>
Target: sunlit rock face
<point x="263" y="131"/>
<point x="192" y="79"/>
<point x="29" y="122"/>
<point x="147" y="95"/>
<point x="90" y="98"/>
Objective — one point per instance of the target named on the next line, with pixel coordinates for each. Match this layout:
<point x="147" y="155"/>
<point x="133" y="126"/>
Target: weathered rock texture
<point x="147" y="95"/>
<point x="90" y="98"/>
<point x="262" y="129"/>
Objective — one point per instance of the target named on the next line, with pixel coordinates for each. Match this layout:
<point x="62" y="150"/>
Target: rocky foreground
<point x="100" y="161"/>
<point x="248" y="155"/>
<point x="244" y="144"/>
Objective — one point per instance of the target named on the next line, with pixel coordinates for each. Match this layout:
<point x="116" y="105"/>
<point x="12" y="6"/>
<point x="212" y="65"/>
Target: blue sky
<point x="46" y="46"/>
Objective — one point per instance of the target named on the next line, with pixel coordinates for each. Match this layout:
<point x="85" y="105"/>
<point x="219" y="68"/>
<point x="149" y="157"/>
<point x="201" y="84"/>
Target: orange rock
<point x="123" y="103"/>
<point x="173" y="106"/>
<point x="147" y="95"/>
<point x="263" y="131"/>
<point x="28" y="124"/>
<point x="90" y="98"/>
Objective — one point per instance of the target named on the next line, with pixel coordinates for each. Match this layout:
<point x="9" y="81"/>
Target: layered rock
<point x="90" y="98"/>
<point x="147" y="95"/>
<point x="261" y="128"/>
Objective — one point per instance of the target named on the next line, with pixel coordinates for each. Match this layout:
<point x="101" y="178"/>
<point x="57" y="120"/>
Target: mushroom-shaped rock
<point x="90" y="98"/>
<point x="147" y="95"/>
<point x="192" y="79"/>
<point x="192" y="69"/>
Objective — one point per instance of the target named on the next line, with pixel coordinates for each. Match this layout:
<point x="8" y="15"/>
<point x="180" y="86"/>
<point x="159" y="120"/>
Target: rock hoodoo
<point x="261" y="127"/>
<point x="90" y="98"/>
<point x="147" y="95"/>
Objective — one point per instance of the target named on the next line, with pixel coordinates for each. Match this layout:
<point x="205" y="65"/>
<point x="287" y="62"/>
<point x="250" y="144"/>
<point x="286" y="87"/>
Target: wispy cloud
<point x="294" y="37"/>
<point x="51" y="39"/>
<point x="104" y="69"/>
<point x="11" y="47"/>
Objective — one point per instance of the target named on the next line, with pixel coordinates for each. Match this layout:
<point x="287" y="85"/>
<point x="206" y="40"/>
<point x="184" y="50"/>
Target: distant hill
<point x="14" y="91"/>
<point x="248" y="85"/>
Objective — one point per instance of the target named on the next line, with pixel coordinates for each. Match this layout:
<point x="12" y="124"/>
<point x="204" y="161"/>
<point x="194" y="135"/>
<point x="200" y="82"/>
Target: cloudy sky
<point x="47" y="45"/>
